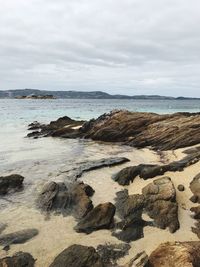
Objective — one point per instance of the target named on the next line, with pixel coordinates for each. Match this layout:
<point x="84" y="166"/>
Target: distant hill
<point x="20" y="93"/>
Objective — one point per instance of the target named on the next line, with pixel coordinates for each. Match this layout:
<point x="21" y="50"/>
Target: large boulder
<point x="176" y="254"/>
<point x="78" y="256"/>
<point x="72" y="199"/>
<point x="101" y="217"/>
<point x="20" y="259"/>
<point x="11" y="183"/>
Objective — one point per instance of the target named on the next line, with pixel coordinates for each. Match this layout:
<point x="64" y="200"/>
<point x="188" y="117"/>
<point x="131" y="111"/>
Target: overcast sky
<point x="118" y="46"/>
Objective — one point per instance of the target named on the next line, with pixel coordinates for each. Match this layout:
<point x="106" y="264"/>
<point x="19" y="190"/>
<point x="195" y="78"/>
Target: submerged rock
<point x="18" y="237"/>
<point x="20" y="259"/>
<point x="74" y="199"/>
<point x="158" y="200"/>
<point x="177" y="254"/>
<point x="11" y="183"/>
<point x="78" y="256"/>
<point x="101" y="217"/>
<point x="146" y="171"/>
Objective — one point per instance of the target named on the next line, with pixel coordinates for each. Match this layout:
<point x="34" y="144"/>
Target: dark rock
<point x="181" y="187"/>
<point x="146" y="171"/>
<point x="196" y="211"/>
<point x="140" y="260"/>
<point x="10" y="183"/>
<point x="176" y="254"/>
<point x="18" y="237"/>
<point x="194" y="199"/>
<point x="196" y="229"/>
<point x="73" y="199"/>
<point x="195" y="188"/>
<point x="20" y="259"/>
<point x="78" y="256"/>
<point x="101" y="217"/>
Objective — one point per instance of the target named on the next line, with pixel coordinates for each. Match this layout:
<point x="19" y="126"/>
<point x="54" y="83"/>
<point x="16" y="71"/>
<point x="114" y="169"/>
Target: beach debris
<point x="11" y="183"/>
<point x="176" y="254"/>
<point x="158" y="201"/>
<point x="101" y="217"/>
<point x="20" y="259"/>
<point x="66" y="199"/>
<point x="146" y="171"/>
<point x="18" y="237"/>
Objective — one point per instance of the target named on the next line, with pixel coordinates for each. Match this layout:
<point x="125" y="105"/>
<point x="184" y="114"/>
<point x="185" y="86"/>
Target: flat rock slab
<point x="11" y="183"/>
<point x="78" y="256"/>
<point x="20" y="259"/>
<point x="72" y="199"/>
<point x="176" y="254"/>
<point x="18" y="237"/>
<point x="101" y="217"/>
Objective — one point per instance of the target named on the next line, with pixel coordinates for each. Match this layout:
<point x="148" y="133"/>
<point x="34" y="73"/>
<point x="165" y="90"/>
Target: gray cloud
<point x="129" y="46"/>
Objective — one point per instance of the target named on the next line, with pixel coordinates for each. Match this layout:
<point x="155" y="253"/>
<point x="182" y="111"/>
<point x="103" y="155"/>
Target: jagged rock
<point x="18" y="237"/>
<point x="11" y="183"/>
<point x="20" y="259"/>
<point x="181" y="188"/>
<point x="158" y="200"/>
<point x="176" y="254"/>
<point x="146" y="171"/>
<point x="195" y="188"/>
<point x="73" y="199"/>
<point x="138" y="129"/>
<point x="140" y="260"/>
<point x="101" y="217"/>
<point x="110" y="253"/>
<point x="78" y="256"/>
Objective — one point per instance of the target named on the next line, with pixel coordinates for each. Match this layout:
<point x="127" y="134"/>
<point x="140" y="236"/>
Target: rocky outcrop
<point x="20" y="259"/>
<point x="72" y="199"/>
<point x="195" y="188"/>
<point x="78" y="256"/>
<point x="138" y="129"/>
<point x="158" y="200"/>
<point x="18" y="237"/>
<point x="176" y="254"/>
<point x="146" y="171"/>
<point x="101" y="217"/>
<point x="11" y="183"/>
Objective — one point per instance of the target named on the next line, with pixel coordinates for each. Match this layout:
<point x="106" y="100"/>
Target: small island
<point x="33" y="96"/>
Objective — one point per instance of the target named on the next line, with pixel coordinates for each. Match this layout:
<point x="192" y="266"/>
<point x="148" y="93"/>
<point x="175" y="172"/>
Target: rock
<point x="78" y="256"/>
<point x="73" y="199"/>
<point x="196" y="229"/>
<point x="177" y="254"/>
<point x="2" y="227"/>
<point x="101" y="217"/>
<point x="110" y="253"/>
<point x="140" y="260"/>
<point x="11" y="183"/>
<point x="146" y="171"/>
<point x="158" y="200"/>
<point x="181" y="187"/>
<point x="195" y="188"/>
<point x="138" y="129"/>
<point x="196" y="210"/>
<point x="20" y="259"/>
<point x="75" y="173"/>
<point x="18" y="237"/>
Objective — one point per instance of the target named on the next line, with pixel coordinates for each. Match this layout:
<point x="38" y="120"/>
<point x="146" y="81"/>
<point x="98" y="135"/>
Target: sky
<point x="117" y="46"/>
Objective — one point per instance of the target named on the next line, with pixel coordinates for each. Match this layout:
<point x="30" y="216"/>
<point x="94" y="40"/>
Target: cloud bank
<point x="130" y="46"/>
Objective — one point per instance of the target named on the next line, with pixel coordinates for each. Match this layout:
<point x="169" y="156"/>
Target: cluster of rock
<point x="137" y="129"/>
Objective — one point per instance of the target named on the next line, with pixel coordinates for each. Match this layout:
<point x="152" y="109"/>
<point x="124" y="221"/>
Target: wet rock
<point x="72" y="199"/>
<point x="20" y="259"/>
<point x="101" y="217"/>
<point x="181" y="188"/>
<point x="11" y="183"/>
<point x="146" y="171"/>
<point x="140" y="260"/>
<point x="18" y="237"/>
<point x="77" y="172"/>
<point x="176" y="254"/>
<point x="78" y="256"/>
<point x="158" y="200"/>
<point x="110" y="253"/>
<point x="195" y="188"/>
